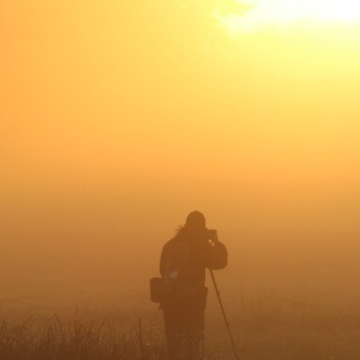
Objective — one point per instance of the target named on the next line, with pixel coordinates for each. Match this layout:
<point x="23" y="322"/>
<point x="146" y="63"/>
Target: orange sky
<point x="117" y="118"/>
<point x="118" y="111"/>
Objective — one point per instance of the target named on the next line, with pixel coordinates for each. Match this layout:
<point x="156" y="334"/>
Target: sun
<point x="257" y="14"/>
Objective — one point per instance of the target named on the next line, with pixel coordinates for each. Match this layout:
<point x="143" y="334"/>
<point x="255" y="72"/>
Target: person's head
<point x="195" y="222"/>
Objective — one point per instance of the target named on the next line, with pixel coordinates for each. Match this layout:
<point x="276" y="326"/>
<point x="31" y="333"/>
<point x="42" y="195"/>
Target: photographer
<point x="184" y="260"/>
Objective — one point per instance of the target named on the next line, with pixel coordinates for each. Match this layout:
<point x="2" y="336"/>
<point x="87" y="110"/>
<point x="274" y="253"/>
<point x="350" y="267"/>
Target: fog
<point x="101" y="259"/>
<point x="117" y="120"/>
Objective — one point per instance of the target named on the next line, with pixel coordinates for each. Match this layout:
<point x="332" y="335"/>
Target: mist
<point x="118" y="119"/>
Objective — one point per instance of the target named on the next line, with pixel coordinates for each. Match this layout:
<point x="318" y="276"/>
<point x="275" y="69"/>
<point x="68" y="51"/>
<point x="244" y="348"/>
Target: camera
<point x="211" y="234"/>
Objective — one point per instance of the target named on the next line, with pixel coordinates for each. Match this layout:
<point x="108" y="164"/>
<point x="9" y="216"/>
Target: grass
<point x="263" y="329"/>
<point x="79" y="339"/>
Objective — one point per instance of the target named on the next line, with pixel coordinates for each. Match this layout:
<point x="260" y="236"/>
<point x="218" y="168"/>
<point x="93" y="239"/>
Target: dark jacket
<point x="202" y="255"/>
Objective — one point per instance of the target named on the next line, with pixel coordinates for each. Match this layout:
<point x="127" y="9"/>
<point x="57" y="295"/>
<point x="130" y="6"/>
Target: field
<point x="263" y="329"/>
<point x="284" y="302"/>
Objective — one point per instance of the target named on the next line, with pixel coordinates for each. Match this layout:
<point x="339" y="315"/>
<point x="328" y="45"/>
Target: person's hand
<point x="214" y="238"/>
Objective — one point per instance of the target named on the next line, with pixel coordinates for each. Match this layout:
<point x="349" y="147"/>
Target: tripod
<point x="224" y="315"/>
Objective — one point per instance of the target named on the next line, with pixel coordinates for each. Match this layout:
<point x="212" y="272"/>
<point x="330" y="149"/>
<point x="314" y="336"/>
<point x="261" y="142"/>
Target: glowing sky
<point x="147" y="107"/>
<point x="256" y="14"/>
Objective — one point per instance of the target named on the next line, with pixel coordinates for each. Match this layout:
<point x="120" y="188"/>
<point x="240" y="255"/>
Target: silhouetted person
<point x="184" y="260"/>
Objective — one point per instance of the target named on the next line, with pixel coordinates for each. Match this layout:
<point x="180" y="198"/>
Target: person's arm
<point x="218" y="255"/>
<point x="162" y="261"/>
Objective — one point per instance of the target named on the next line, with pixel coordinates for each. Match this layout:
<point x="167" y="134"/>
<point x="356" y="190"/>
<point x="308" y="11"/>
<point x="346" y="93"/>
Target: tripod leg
<point x="224" y="315"/>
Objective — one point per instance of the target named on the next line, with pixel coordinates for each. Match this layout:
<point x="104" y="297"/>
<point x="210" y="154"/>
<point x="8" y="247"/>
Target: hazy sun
<point x="255" y="14"/>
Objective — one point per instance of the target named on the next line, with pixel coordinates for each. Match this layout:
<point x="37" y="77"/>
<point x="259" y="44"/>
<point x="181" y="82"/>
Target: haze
<point x="120" y="117"/>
